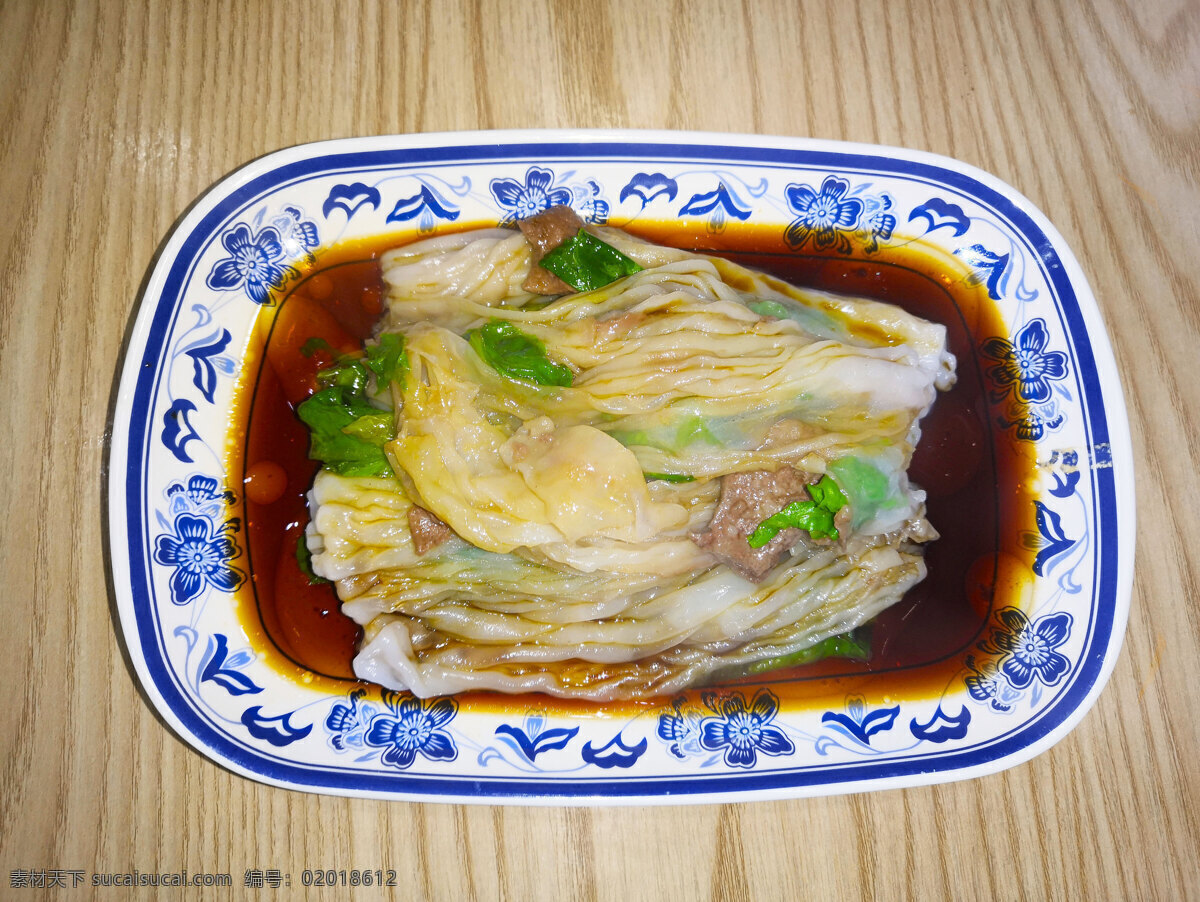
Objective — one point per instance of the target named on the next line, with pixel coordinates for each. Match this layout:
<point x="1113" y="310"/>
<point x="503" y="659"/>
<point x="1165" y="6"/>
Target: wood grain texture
<point x="116" y="115"/>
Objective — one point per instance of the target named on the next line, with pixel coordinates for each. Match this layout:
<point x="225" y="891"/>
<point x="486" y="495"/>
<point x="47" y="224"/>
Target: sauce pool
<point x="299" y="619"/>
<point x="977" y="482"/>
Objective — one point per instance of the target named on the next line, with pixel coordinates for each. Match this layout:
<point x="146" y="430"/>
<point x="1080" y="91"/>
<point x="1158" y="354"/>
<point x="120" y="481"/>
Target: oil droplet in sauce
<point x="265" y="482"/>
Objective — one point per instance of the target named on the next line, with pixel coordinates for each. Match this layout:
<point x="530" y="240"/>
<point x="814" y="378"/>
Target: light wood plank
<point x="118" y="114"/>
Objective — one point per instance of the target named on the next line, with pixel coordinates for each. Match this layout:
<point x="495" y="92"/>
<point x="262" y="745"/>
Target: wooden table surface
<point x="116" y="115"/>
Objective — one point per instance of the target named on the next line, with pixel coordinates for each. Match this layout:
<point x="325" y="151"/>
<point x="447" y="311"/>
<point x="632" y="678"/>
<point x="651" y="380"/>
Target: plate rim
<point x="1112" y="406"/>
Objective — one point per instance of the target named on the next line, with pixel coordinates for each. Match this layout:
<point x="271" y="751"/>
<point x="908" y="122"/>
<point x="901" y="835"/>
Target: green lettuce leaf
<point x="304" y="560"/>
<point x="815" y="516"/>
<point x="586" y="263"/>
<point x="387" y="359"/>
<point x="516" y="355"/>
<point x="346" y="431"/>
<point x="854" y="645"/>
<point x="868" y="489"/>
<point x="313" y="345"/>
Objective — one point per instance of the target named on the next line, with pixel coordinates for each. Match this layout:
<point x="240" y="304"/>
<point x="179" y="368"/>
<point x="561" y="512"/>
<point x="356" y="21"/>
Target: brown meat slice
<point x="746" y="500"/>
<point x="427" y="530"/>
<point x="545" y="232"/>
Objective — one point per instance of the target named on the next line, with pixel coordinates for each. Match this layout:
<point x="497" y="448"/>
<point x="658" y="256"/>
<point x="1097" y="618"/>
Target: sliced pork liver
<point x="427" y="529"/>
<point x="746" y="500"/>
<point x="545" y="232"/>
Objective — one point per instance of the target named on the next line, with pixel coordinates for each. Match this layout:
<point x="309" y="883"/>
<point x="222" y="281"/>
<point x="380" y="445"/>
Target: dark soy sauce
<point x="977" y="482"/>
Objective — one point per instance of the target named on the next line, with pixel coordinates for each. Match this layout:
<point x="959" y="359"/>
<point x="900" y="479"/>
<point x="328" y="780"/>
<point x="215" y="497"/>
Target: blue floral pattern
<point x="828" y="216"/>
<point x="1031" y="422"/>
<point x="942" y="727"/>
<point x="426" y="206"/>
<point x="988" y="268"/>
<point x="177" y="430"/>
<point x="718" y="205"/>
<point x="1049" y="541"/>
<point x="297" y="236"/>
<point x="1064" y="467"/>
<point x="646" y="186"/>
<point x="351" y="198"/>
<point x="741" y="732"/>
<point x="200" y="495"/>
<point x="535" y="196"/>
<point x="206" y="359"/>
<point x="1029" y="649"/>
<point x="941" y="214"/>
<point x="588" y="201"/>
<point x="414" y="727"/>
<point x="858" y="722"/>
<point x="533" y="738"/>
<point x="1024" y="365"/>
<point x="679" y="728"/>
<point x="348" y="722"/>
<point x="225" y="669"/>
<point x="278" y="729"/>
<point x="877" y="223"/>
<point x="200" y="555"/>
<point x="986" y="684"/>
<point x="199" y="550"/>
<point x="614" y="753"/>
<point x="254" y="264"/>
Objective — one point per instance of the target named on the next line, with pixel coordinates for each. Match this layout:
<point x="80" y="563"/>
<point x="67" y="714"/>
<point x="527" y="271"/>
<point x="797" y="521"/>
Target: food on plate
<point x="574" y="462"/>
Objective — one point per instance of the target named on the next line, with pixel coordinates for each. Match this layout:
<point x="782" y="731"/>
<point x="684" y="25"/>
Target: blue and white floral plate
<point x="176" y="526"/>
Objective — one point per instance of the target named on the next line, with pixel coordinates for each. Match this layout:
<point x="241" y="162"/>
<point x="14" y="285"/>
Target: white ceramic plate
<point x="1045" y="642"/>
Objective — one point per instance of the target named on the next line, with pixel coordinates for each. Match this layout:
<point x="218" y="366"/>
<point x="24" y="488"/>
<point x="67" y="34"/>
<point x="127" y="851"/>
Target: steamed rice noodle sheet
<point x="626" y="491"/>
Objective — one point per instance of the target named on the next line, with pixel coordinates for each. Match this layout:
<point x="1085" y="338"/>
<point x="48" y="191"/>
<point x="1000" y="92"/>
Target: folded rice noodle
<point x="572" y="572"/>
